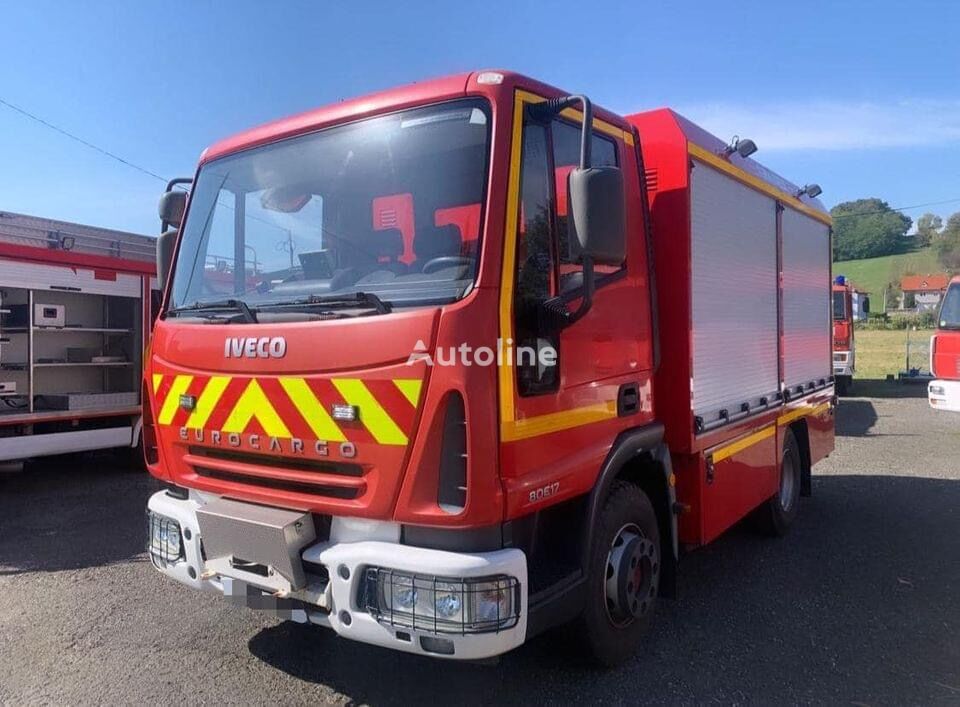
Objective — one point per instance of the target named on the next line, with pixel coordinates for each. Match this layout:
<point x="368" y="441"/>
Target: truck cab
<point x="844" y="344"/>
<point x="944" y="390"/>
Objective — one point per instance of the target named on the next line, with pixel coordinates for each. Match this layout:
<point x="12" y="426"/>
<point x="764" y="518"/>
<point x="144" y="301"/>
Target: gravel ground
<point x="860" y="604"/>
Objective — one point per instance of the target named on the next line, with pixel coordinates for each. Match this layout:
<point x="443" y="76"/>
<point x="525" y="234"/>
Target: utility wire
<point x="146" y="171"/>
<point x="76" y="138"/>
<point x="899" y="208"/>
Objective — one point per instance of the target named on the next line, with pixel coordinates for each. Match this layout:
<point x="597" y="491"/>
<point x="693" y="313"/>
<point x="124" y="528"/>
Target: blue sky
<point x="862" y="97"/>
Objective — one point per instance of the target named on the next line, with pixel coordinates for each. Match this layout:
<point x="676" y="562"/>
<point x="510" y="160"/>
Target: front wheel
<point x="623" y="576"/>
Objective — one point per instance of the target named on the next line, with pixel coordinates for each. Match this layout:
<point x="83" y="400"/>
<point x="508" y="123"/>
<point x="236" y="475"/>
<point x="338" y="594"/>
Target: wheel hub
<point x="633" y="569"/>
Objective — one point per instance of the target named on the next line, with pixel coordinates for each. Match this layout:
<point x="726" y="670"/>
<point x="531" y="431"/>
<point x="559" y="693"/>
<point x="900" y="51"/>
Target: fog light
<point x="441" y="604"/>
<point x="163" y="540"/>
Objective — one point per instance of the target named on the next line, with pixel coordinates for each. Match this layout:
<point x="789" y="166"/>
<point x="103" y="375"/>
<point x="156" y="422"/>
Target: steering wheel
<point x="446" y="261"/>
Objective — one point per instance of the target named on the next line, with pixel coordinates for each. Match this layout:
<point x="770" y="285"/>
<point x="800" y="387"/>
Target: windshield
<point x="839" y="305"/>
<point x="950" y="309"/>
<point x="389" y="206"/>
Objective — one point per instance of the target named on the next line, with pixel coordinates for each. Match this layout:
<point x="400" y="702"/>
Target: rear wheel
<point x="623" y="576"/>
<point x="843" y="385"/>
<point x="777" y="515"/>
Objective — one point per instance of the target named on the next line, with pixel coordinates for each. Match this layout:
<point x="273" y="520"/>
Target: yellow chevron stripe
<point x="157" y="380"/>
<point x="410" y="387"/>
<point x="372" y="414"/>
<point x="312" y="410"/>
<point x="207" y="402"/>
<point x="255" y="404"/>
<point x="172" y="401"/>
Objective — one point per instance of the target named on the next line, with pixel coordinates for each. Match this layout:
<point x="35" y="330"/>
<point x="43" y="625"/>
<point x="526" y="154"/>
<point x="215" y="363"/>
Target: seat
<point x="437" y="242"/>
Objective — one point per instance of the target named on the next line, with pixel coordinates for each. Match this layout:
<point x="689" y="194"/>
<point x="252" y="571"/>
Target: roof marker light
<point x="491" y="78"/>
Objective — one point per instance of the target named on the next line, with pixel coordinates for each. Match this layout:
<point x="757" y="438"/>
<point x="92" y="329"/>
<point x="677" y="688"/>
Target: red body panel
<point x="945" y="355"/>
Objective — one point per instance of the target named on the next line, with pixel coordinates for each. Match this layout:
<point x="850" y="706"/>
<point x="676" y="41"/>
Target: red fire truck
<point x="944" y="390"/>
<point x="844" y="342"/>
<point x="484" y="366"/>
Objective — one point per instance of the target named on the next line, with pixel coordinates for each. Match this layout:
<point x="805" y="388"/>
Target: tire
<point x="780" y="511"/>
<point x="843" y="384"/>
<point x="623" y="577"/>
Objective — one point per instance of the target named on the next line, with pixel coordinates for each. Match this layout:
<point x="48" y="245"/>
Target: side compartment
<point x="734" y="293"/>
<point x="807" y="347"/>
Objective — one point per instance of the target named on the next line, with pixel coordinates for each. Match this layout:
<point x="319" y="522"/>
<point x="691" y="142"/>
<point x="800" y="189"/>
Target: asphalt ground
<point x="860" y="604"/>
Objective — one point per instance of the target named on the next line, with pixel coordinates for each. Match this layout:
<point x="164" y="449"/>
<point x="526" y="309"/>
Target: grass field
<point x="883" y="352"/>
<point x="873" y="274"/>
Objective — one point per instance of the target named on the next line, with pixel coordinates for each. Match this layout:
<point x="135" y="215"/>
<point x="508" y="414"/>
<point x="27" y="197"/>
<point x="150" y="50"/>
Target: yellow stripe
<point x="372" y="414"/>
<point x="157" y="380"/>
<point x="172" y="401"/>
<point x="505" y="373"/>
<point x="410" y="387"/>
<point x="207" y="402"/>
<point x="743" y="176"/>
<point x="557" y="421"/>
<point x="312" y="410"/>
<point x="741" y="444"/>
<point x="802" y="411"/>
<point x="523" y="428"/>
<point x="254" y="403"/>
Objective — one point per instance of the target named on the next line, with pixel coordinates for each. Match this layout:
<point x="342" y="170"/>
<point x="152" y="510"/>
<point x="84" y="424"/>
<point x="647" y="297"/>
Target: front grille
<point x="326" y="467"/>
<point x="340" y="480"/>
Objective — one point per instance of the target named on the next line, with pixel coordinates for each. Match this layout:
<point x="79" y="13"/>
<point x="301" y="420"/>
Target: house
<point x="927" y="290"/>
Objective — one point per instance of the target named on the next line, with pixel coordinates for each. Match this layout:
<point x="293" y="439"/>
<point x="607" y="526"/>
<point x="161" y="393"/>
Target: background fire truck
<point x="849" y="306"/>
<point x="75" y="304"/>
<point x="944" y="391"/>
<point x="457" y="510"/>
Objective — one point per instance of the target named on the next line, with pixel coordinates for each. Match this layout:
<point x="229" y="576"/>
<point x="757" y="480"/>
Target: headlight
<point x="937" y="390"/>
<point x="163" y="540"/>
<point x="441" y="604"/>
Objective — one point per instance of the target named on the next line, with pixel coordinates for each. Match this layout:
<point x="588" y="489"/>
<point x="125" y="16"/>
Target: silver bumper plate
<point x="256" y="535"/>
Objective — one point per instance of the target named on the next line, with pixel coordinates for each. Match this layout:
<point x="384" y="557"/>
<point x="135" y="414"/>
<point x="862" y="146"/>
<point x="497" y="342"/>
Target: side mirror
<point x="165" y="245"/>
<point x="171" y="207"/>
<point x="865" y="305"/>
<point x="598" y="214"/>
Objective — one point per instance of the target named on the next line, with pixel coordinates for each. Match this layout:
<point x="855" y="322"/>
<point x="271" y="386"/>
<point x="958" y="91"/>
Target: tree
<point x="947" y="244"/>
<point x="928" y="229"/>
<point x="867" y="228"/>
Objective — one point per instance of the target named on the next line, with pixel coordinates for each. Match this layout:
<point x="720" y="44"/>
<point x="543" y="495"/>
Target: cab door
<point x="570" y="390"/>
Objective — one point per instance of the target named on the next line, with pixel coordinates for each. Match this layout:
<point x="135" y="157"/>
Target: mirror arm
<point x="164" y="225"/>
<point x="553" y="106"/>
<point x="555" y="308"/>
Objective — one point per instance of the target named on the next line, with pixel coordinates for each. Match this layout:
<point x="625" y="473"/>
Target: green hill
<point x="873" y="274"/>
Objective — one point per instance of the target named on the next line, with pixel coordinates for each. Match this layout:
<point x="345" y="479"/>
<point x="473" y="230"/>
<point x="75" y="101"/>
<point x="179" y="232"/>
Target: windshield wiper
<point x="362" y="299"/>
<point x="235" y="305"/>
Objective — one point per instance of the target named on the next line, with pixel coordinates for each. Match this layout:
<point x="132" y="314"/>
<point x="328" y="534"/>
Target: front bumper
<point x="944" y="395"/>
<point x="842" y="363"/>
<point x="338" y="605"/>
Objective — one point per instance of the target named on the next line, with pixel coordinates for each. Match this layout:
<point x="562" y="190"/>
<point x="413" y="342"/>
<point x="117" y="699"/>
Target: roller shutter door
<point x="734" y="282"/>
<point x="806" y="301"/>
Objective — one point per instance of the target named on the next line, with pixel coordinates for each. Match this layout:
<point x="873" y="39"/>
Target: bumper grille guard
<point x="425" y="588"/>
<point x="162" y="552"/>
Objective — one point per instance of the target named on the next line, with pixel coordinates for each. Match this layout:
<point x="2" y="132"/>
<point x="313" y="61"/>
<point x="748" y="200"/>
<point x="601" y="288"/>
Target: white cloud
<point x="833" y="125"/>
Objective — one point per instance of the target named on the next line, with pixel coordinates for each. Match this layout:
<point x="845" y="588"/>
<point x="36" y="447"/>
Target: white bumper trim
<point x="345" y="617"/>
<point x="948" y="399"/>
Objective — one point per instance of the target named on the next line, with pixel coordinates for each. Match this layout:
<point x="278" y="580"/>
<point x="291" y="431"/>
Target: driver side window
<point x="535" y="272"/>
